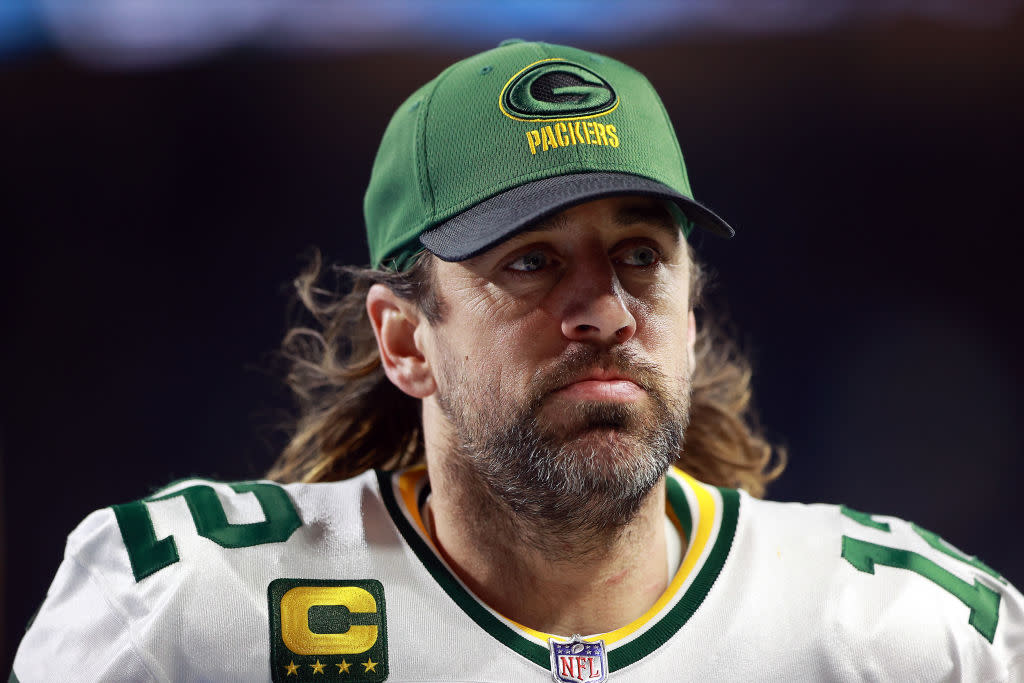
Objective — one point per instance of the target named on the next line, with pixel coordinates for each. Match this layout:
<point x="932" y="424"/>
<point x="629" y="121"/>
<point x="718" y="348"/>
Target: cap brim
<point x="499" y="217"/>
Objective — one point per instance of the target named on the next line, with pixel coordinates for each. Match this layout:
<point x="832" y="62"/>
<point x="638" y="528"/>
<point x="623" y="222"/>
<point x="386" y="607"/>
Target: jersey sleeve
<point x="170" y="587"/>
<point x="79" y="633"/>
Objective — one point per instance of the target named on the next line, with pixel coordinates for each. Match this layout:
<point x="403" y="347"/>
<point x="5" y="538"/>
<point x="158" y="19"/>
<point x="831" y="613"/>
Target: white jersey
<point x="339" y="582"/>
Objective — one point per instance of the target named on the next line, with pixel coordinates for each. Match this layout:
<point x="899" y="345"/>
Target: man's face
<point x="561" y="360"/>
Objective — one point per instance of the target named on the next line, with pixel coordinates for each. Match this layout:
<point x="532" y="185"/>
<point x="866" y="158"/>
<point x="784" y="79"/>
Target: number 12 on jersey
<point x="982" y="600"/>
<point x="149" y="555"/>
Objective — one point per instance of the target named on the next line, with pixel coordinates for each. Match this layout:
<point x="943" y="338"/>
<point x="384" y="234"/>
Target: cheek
<point x="507" y="353"/>
<point x="492" y="345"/>
<point x="664" y="320"/>
<point x="511" y="319"/>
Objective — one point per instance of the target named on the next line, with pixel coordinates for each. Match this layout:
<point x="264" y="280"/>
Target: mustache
<point x="579" y="361"/>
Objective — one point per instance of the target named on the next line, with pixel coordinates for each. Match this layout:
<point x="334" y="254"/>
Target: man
<point x="561" y="464"/>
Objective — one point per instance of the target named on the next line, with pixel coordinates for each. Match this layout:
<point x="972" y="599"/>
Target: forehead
<point x="609" y="214"/>
<point x="614" y="212"/>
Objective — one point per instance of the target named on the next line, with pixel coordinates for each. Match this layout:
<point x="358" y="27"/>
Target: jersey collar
<point x="704" y="515"/>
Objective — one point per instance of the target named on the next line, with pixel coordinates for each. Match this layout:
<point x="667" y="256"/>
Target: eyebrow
<point x="653" y="214"/>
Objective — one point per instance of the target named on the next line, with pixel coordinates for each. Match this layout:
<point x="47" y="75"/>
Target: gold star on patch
<point x="370" y="665"/>
<point x="343" y="667"/>
<point x="293" y="669"/>
<point x="318" y="668"/>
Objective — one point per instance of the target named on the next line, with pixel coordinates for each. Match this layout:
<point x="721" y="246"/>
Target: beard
<point x="567" y="486"/>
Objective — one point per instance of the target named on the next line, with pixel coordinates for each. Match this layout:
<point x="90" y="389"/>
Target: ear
<point x="394" y="323"/>
<point x="691" y="341"/>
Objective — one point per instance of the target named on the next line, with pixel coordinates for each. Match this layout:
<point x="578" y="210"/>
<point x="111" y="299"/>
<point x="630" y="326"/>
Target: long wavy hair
<point x="352" y="418"/>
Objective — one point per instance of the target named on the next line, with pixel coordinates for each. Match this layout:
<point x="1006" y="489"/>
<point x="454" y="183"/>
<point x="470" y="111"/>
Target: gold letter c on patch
<point x="295" y="631"/>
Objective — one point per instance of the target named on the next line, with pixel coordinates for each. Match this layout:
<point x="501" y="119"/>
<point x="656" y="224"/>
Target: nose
<point x="596" y="310"/>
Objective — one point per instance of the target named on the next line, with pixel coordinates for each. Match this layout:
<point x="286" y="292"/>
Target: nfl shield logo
<point x="579" y="661"/>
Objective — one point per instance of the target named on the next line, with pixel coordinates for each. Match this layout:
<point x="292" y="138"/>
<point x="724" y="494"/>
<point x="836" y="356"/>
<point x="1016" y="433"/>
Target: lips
<point x="600" y="376"/>
<point x="602" y="386"/>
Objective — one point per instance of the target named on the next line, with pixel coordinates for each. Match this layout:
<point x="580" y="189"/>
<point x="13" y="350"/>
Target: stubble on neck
<point x="538" y="521"/>
<point x="546" y="577"/>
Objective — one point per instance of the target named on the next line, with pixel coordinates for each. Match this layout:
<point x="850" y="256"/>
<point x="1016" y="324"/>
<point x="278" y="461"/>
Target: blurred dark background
<point x="158" y="197"/>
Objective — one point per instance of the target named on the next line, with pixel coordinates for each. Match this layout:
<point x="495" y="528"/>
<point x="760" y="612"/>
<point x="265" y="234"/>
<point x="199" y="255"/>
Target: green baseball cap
<point x="504" y="138"/>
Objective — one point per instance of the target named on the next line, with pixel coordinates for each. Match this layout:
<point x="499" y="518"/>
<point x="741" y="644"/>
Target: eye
<point x="530" y="261"/>
<point x="640" y="256"/>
